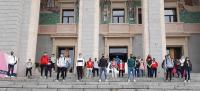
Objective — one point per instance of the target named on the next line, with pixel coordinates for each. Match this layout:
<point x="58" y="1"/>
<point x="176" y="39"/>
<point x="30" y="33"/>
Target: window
<point x="68" y="16"/>
<point x="118" y="16"/>
<point x="139" y="16"/>
<point x="170" y="15"/>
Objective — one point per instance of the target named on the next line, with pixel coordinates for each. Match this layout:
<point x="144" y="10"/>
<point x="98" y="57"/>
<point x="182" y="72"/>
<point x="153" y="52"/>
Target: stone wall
<point x="44" y="44"/>
<point x="18" y="29"/>
<point x="137" y="46"/>
<point x="194" y="51"/>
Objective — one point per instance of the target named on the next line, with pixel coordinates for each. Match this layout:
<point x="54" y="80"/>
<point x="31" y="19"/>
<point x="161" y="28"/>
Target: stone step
<point x="120" y="84"/>
<point x="87" y="86"/>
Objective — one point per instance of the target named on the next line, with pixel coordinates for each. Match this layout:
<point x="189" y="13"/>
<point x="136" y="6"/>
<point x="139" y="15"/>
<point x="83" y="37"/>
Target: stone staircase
<point x="120" y="84"/>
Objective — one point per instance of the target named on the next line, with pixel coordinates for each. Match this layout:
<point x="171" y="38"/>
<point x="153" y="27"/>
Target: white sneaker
<point x="6" y="76"/>
<point x="99" y="80"/>
<point x="63" y="80"/>
<point x="106" y="80"/>
<point x="77" y="80"/>
<point x="134" y="80"/>
<point x="188" y="80"/>
<point x="56" y="80"/>
<point x="129" y="80"/>
<point x="12" y="76"/>
<point x="185" y="81"/>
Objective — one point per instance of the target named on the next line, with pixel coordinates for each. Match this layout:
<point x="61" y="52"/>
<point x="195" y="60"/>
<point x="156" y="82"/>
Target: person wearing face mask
<point x="44" y="60"/>
<point x="131" y="67"/>
<point x="79" y="67"/>
<point x="12" y="61"/>
<point x="188" y="69"/>
<point x="182" y="60"/>
<point x="61" y="62"/>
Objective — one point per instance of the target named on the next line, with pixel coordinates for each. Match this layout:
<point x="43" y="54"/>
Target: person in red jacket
<point x="154" y="66"/>
<point x="89" y="66"/>
<point x="121" y="68"/>
<point x="44" y="60"/>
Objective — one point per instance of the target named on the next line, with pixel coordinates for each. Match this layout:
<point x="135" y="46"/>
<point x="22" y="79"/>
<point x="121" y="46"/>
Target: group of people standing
<point x="62" y="63"/>
<point x="180" y="68"/>
<point x="177" y="67"/>
<point x="136" y="67"/>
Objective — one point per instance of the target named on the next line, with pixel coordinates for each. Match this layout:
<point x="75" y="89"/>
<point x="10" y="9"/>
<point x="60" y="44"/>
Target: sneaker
<point x="63" y="80"/>
<point x="99" y="80"/>
<point x="6" y="76"/>
<point x="188" y="80"/>
<point x="106" y="80"/>
<point x="12" y="76"/>
<point x="129" y="80"/>
<point x="77" y="80"/>
<point x="56" y="80"/>
<point x="134" y="80"/>
<point x="185" y="81"/>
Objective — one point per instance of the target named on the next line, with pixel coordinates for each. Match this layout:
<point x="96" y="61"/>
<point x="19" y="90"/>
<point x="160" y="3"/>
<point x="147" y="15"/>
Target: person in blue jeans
<point x="131" y="67"/>
<point x="103" y="64"/>
<point x="188" y="69"/>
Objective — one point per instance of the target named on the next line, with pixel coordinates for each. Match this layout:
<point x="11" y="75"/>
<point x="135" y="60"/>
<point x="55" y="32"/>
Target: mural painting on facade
<point x="187" y="16"/>
<point x="49" y="12"/>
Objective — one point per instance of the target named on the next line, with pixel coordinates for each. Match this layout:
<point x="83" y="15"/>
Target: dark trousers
<point x="60" y="70"/>
<point x="48" y="69"/>
<point x="169" y="73"/>
<point x="187" y="74"/>
<point x="182" y="71"/>
<point x="79" y="72"/>
<point x="10" y="70"/>
<point x="95" y="70"/>
<point x="43" y="68"/>
<point x="53" y="66"/>
<point x="154" y="72"/>
<point x="121" y="72"/>
<point x="65" y="72"/>
<point x="178" y="72"/>
<point x="29" y="70"/>
<point x="149" y="72"/>
<point x="137" y="72"/>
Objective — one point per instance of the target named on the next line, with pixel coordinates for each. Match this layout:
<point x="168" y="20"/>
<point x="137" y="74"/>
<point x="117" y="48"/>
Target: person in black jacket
<point x="188" y="69"/>
<point x="103" y="64"/>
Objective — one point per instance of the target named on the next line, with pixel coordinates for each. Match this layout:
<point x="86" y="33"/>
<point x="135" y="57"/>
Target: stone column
<point x="88" y="34"/>
<point x="154" y="37"/>
<point x="28" y="33"/>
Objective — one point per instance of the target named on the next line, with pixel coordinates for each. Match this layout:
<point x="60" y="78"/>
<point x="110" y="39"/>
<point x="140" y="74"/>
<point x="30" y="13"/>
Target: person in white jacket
<point x="61" y="62"/>
<point x="182" y="60"/>
<point x="12" y="61"/>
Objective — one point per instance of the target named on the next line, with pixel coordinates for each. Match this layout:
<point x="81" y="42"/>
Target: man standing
<point x="103" y="64"/>
<point x="79" y="67"/>
<point x="61" y="62"/>
<point x="95" y="68"/>
<point x="43" y="62"/>
<point x="53" y="60"/>
<point x="29" y="66"/>
<point x="12" y="61"/>
<point x="131" y="67"/>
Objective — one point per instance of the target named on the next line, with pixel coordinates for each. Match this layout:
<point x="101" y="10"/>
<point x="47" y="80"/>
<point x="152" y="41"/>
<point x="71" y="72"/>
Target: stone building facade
<point x="95" y="27"/>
